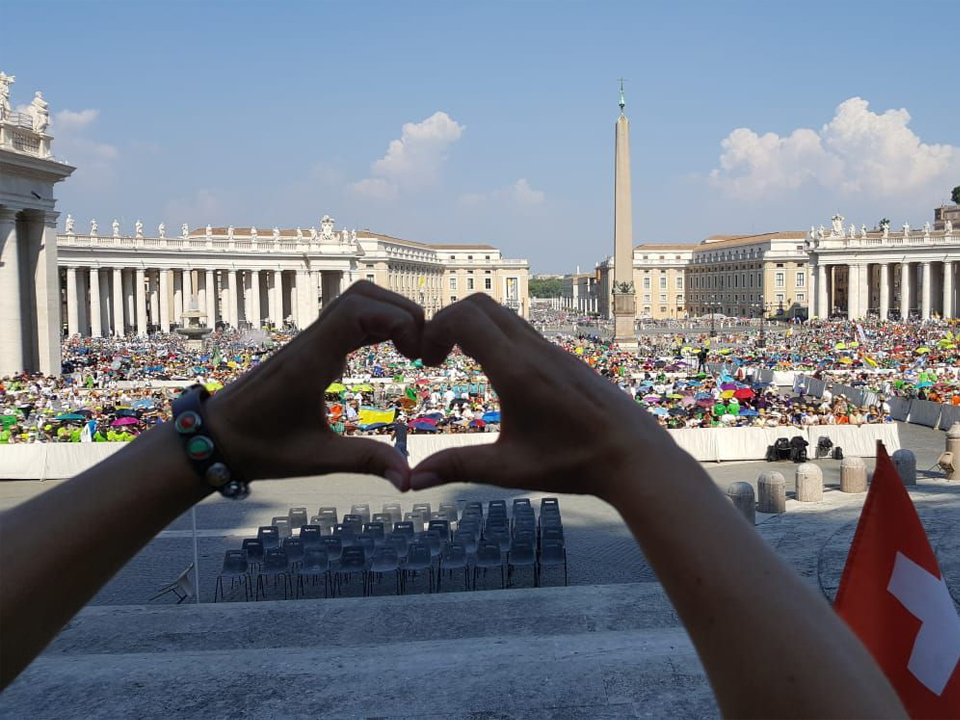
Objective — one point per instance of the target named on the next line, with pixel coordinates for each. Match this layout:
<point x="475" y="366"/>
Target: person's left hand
<point x="271" y="422"/>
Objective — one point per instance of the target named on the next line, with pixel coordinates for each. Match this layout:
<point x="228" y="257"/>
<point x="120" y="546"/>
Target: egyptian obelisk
<point x="624" y="292"/>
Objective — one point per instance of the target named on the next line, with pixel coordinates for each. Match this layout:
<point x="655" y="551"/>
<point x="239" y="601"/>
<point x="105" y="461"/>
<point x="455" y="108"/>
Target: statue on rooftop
<point x="852" y="230"/>
<point x="69" y="224"/>
<point x="41" y="116"/>
<point x="313" y="234"/>
<point x="885" y="228"/>
<point x="253" y="232"/>
<point x="162" y="230"/>
<point x="93" y="227"/>
<point x="138" y="228"/>
<point x="276" y="233"/>
<point x="299" y="234"/>
<point x="184" y="230"/>
<point x="116" y="228"/>
<point x="326" y="228"/>
<point x="863" y="230"/>
<point x="5" y="82"/>
<point x="906" y="230"/>
<point x="837" y="221"/>
<point x="948" y="226"/>
<point x="926" y="229"/>
<point x="209" y="230"/>
<point x="821" y="232"/>
<point x="230" y="232"/>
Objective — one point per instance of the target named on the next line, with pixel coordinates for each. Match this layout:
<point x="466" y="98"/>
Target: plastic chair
<point x="282" y="524"/>
<point x="294" y="550"/>
<point x="330" y="513"/>
<point x="376" y="530"/>
<point x="385" y="518"/>
<point x="354" y="520"/>
<point x="297" y="516"/>
<point x="423" y="509"/>
<point x="405" y="527"/>
<point x="363" y="510"/>
<point x="415" y="519"/>
<point x="385" y="559"/>
<point x="473" y="506"/>
<point x="449" y="511"/>
<point x="316" y="563"/>
<point x="454" y="556"/>
<point x="442" y="527"/>
<point x="497" y="507"/>
<point x="352" y="561"/>
<point x="311" y="537"/>
<point x="553" y="554"/>
<point x="549" y="502"/>
<point x="275" y="565"/>
<point x="269" y="537"/>
<point x="468" y="539"/>
<point x="182" y="587"/>
<point x="367" y="543"/>
<point x="255" y="551"/>
<point x="324" y="522"/>
<point x="333" y="544"/>
<point x="394" y="510"/>
<point x="499" y="535"/>
<point x="234" y="567"/>
<point x="488" y="557"/>
<point x="345" y="533"/>
<point x="419" y="558"/>
<point x="551" y="533"/>
<point x="519" y="503"/>
<point x="522" y="554"/>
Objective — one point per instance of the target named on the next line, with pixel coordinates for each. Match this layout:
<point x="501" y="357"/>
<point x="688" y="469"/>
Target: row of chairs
<point x="479" y="541"/>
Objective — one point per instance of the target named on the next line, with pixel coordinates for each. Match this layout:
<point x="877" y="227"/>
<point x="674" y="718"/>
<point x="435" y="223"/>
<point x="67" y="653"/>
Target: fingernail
<point x="421" y="480"/>
<point x="395" y="477"/>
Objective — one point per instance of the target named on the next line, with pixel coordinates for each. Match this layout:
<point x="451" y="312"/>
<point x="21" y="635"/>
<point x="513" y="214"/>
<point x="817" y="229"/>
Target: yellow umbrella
<point x="578" y="351"/>
<point x="213" y="385"/>
<point x="726" y="394"/>
<point x="853" y="344"/>
<point x="725" y="351"/>
<point x="362" y="388"/>
<point x="846" y="361"/>
<point x="336" y="388"/>
<point x="922" y="350"/>
<point x="840" y="346"/>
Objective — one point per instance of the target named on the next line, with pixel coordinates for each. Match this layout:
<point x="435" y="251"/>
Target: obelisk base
<point x="624" y="315"/>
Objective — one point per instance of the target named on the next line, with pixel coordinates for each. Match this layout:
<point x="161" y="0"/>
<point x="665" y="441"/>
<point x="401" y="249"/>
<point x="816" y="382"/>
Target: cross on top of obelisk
<point x="623" y="101"/>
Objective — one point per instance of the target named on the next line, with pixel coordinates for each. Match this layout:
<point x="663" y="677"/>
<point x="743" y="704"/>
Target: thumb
<point x="474" y="464"/>
<point x="368" y="457"/>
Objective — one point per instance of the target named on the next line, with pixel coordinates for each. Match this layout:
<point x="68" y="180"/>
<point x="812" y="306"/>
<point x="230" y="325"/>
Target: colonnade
<point x="902" y="289"/>
<point x="116" y="301"/>
<point x="579" y="303"/>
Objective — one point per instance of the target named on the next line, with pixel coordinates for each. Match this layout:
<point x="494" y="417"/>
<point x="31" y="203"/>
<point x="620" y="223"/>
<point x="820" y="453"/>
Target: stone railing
<point x="16" y="133"/>
<point x="892" y="241"/>
<point x="203" y="244"/>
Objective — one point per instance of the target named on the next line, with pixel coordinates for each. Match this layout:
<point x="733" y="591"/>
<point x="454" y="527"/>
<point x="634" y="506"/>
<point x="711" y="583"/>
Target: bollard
<point x="771" y="492"/>
<point x="953" y="446"/>
<point x="906" y="463"/>
<point x="809" y="483"/>
<point x="741" y="494"/>
<point x="853" y="475"/>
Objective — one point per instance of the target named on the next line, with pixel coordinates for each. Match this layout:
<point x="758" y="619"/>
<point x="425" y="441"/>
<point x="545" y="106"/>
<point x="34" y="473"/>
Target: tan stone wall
<point x="658" y="302"/>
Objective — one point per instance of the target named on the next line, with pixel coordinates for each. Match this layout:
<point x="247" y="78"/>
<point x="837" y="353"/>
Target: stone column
<point x="232" y="300"/>
<point x="925" y="289"/>
<point x="73" y="320"/>
<point x="303" y="305"/>
<point x="154" y="299"/>
<point x="176" y="282"/>
<point x="96" y="316"/>
<point x="129" y="301"/>
<point x="11" y="320"/>
<point x="884" y="291"/>
<point x="823" y="299"/>
<point x="188" y="289"/>
<point x="118" y="302"/>
<point x="904" y="290"/>
<point x="314" y="293"/>
<point x="853" y="292"/>
<point x="42" y="235"/>
<point x="140" y="289"/>
<point x="274" y="298"/>
<point x="948" y="309"/>
<point x="257" y="314"/>
<point x="165" y="277"/>
<point x="210" y="295"/>
<point x="83" y="317"/>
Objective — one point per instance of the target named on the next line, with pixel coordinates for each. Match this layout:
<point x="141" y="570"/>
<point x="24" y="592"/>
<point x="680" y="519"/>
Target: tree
<point x="955" y="195"/>
<point x="545" y="287"/>
<point x="885" y="221"/>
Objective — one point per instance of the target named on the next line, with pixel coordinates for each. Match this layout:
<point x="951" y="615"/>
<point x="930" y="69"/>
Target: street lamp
<point x="713" y="305"/>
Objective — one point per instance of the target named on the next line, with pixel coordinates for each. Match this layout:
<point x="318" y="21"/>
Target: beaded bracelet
<point x="201" y="447"/>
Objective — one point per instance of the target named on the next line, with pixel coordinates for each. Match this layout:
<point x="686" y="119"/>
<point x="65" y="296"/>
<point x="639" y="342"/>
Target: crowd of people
<point x="111" y="389"/>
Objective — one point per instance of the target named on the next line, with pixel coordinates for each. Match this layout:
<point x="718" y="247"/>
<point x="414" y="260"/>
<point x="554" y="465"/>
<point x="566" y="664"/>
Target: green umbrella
<point x="70" y="416"/>
<point x="8" y="420"/>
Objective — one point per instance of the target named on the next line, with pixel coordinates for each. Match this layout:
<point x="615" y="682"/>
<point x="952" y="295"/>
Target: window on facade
<point x="488" y="283"/>
<point x="663" y="283"/>
<point x="801" y="297"/>
<point x="453" y="283"/>
<point x="371" y="277"/>
<point x="663" y="297"/>
<point x="679" y="282"/>
<point x="679" y="299"/>
<point x="801" y="278"/>
<point x="646" y="298"/>
<point x="780" y="280"/>
<point x="453" y="298"/>
<point x="663" y="308"/>
<point x="469" y="257"/>
<point x="487" y="257"/>
<point x="779" y="297"/>
<point x="469" y="283"/>
<point x="646" y="283"/>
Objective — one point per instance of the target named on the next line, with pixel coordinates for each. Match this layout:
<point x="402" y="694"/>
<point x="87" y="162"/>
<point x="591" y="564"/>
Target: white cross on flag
<point x="894" y="598"/>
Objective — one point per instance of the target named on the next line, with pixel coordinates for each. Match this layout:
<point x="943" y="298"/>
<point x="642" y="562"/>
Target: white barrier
<point x="949" y="414"/>
<point x="924" y="412"/>
<point x="899" y="408"/>
<point x="40" y="461"/>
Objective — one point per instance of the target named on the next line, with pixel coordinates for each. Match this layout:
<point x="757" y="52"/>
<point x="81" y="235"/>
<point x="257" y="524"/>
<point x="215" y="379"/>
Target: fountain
<point x="191" y="327"/>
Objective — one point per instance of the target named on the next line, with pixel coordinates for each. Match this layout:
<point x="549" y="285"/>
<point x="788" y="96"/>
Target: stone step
<point x="588" y="651"/>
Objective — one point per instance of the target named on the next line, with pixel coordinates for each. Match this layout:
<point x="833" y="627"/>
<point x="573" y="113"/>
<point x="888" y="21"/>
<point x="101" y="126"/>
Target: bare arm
<point x="59" y="548"/>
<point x="770" y="645"/>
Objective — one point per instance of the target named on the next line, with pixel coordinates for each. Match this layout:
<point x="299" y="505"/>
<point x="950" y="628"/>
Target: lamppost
<point x="762" y="307"/>
<point x="713" y="305"/>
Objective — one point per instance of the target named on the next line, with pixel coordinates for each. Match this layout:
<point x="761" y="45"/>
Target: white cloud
<point x="518" y="195"/>
<point x="858" y="151"/>
<point x="414" y="160"/>
<point x="71" y="120"/>
<point x="523" y="194"/>
<point x="202" y="207"/>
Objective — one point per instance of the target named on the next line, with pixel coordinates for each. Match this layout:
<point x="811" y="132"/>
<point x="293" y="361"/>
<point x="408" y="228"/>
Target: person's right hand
<point x="563" y="427"/>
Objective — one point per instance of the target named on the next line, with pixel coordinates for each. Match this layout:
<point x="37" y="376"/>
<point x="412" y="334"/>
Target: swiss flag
<point x="893" y="597"/>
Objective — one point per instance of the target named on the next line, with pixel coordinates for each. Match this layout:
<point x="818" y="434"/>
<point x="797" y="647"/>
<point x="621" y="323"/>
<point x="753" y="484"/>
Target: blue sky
<point x="494" y="121"/>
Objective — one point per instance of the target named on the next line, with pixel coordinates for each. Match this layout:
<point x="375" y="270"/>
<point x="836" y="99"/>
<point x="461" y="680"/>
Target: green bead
<point x="199" y="447"/>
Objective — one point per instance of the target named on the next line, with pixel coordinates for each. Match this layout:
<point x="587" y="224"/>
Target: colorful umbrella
<point x="743" y="393"/>
<point x="336" y="388"/>
<point x="125" y="421"/>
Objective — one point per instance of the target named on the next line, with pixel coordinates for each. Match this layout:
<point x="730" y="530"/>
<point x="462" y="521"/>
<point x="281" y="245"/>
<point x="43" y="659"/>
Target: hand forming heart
<point x="564" y="427"/>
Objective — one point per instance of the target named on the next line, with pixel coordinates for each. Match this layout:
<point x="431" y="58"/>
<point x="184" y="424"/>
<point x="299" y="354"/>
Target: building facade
<point x="29" y="312"/>
<point x="889" y="274"/>
<point x="118" y="284"/>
